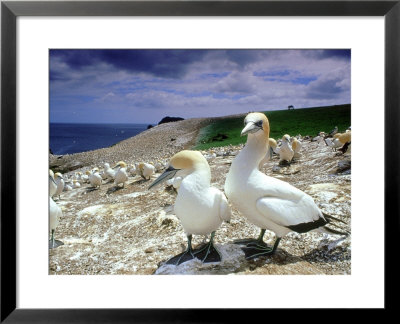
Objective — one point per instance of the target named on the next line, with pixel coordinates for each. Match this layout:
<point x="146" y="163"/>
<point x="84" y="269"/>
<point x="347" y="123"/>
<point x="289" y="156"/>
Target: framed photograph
<point x="72" y="67"/>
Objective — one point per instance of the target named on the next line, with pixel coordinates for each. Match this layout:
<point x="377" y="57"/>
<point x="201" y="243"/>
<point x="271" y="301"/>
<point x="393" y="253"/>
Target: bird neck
<point x="253" y="152"/>
<point x="198" y="178"/>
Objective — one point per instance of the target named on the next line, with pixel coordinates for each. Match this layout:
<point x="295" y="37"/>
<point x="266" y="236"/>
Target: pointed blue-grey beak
<point x="167" y="174"/>
<point x="251" y="127"/>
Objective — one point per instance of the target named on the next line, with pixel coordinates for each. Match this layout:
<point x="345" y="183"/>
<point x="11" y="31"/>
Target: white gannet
<point x="58" y="178"/>
<point x="339" y="140"/>
<point x="146" y="170"/>
<point x="109" y="172"/>
<point x="285" y="150"/>
<point x="52" y="184"/>
<point x="120" y="176"/>
<point x="296" y="146"/>
<point x="95" y="178"/>
<point x="200" y="207"/>
<point x="267" y="202"/>
<point x="54" y="215"/>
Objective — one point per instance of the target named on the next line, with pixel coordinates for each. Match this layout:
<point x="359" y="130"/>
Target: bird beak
<point x="168" y="174"/>
<point x="249" y="128"/>
<point x="116" y="166"/>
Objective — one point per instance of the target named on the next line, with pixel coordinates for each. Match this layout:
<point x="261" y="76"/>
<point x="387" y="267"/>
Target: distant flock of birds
<point x="267" y="202"/>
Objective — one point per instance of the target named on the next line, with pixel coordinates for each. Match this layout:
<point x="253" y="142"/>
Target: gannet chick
<point x="146" y="170"/>
<point x="120" y="176"/>
<point x="285" y="150"/>
<point x="109" y="172"/>
<point x="267" y="202"/>
<point x="296" y="146"/>
<point x="54" y="215"/>
<point x="58" y="178"/>
<point x="200" y="207"/>
<point x="52" y="184"/>
<point x="95" y="178"/>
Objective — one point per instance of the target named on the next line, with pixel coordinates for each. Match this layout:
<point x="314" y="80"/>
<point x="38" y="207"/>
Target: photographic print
<point x="200" y="161"/>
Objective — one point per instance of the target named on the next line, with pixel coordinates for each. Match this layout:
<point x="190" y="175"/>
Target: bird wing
<point x="298" y="214"/>
<point x="224" y="209"/>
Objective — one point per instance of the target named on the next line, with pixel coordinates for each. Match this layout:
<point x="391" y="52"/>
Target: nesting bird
<point x="200" y="207"/>
<point x="120" y="176"/>
<point x="54" y="215"/>
<point x="285" y="150"/>
<point x="267" y="202"/>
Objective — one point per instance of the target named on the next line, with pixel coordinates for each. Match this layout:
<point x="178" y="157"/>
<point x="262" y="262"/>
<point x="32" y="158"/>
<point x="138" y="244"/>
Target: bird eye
<point x="259" y="123"/>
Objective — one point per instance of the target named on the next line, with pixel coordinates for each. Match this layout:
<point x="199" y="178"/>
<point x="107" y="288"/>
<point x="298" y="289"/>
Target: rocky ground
<point x="132" y="230"/>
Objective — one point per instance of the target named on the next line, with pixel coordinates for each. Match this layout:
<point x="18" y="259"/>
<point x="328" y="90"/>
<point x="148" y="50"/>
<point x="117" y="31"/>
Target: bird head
<point x="120" y="164"/>
<point x="181" y="164"/>
<point x="58" y="175"/>
<point x="286" y="138"/>
<point x="87" y="172"/>
<point x="257" y="124"/>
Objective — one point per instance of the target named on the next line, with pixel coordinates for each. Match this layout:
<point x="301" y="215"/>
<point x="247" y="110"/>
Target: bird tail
<point x="329" y="230"/>
<point x="330" y="218"/>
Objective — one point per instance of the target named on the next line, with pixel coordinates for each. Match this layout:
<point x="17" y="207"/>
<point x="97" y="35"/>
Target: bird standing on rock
<point x="120" y="176"/>
<point x="267" y="202"/>
<point x="200" y="207"/>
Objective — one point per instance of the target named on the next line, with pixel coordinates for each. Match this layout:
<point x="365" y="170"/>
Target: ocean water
<point x="75" y="138"/>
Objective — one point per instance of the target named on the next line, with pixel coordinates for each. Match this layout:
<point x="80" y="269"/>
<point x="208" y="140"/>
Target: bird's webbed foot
<point x="207" y="253"/>
<point x="245" y="241"/>
<point x="255" y="251"/>
<point x="54" y="244"/>
<point x="181" y="258"/>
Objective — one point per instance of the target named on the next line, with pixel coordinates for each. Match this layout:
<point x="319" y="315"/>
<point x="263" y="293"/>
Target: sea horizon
<point x="70" y="138"/>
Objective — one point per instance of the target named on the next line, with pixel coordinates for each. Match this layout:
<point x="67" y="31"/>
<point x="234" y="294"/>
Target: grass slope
<point x="307" y="121"/>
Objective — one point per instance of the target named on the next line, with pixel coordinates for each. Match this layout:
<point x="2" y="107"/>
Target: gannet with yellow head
<point x="200" y="207"/>
<point x="267" y="202"/>
<point x="54" y="215"/>
<point x="285" y="150"/>
<point x="146" y="170"/>
<point x="120" y="176"/>
<point x="95" y="178"/>
<point x="296" y="146"/>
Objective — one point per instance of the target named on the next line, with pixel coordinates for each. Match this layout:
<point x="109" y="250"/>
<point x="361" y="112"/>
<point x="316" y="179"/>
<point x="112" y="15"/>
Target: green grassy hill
<point x="306" y="121"/>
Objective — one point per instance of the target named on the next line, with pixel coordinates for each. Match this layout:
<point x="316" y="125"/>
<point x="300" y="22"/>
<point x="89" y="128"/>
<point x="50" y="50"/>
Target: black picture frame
<point x="10" y="10"/>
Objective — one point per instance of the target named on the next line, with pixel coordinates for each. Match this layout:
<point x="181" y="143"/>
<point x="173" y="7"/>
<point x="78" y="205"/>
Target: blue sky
<point x="143" y="86"/>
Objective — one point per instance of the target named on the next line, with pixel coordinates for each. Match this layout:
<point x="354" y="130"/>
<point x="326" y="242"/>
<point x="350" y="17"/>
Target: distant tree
<point x="290" y="107"/>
